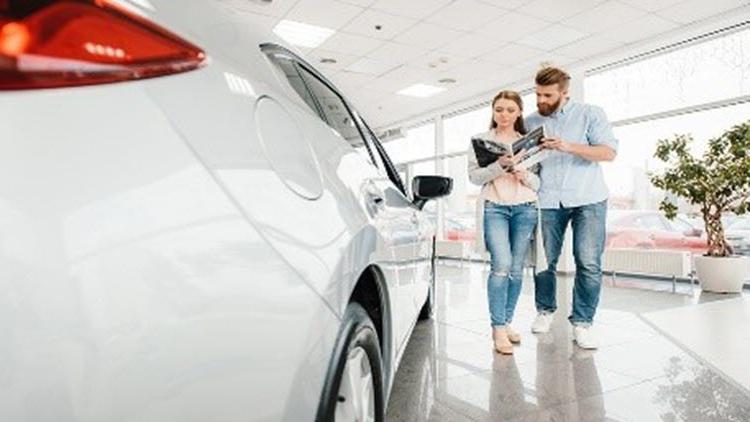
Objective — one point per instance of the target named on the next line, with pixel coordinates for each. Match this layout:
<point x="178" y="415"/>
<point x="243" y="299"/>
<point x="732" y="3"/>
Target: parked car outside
<point x="652" y="230"/>
<point x="195" y="224"/>
<point x="738" y="235"/>
<point x="460" y="227"/>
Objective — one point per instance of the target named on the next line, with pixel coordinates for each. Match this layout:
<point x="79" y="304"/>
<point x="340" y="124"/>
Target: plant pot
<point x="722" y="274"/>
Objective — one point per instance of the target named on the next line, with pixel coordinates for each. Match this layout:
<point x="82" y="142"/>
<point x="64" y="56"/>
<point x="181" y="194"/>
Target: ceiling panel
<point x="342" y="60"/>
<point x="644" y="27"/>
<point x="417" y="9"/>
<point x="371" y="66"/>
<point x="396" y="51"/>
<point x="651" y="5"/>
<point x="587" y="47"/>
<point x="277" y="8"/>
<point x="466" y="15"/>
<point x="557" y="10"/>
<point x="428" y="35"/>
<point x="368" y="22"/>
<point x="552" y="37"/>
<point x="511" y="54"/>
<point x="695" y="10"/>
<point x="513" y="26"/>
<point x="472" y="45"/>
<point x="604" y="16"/>
<point x="351" y="44"/>
<point x="327" y="13"/>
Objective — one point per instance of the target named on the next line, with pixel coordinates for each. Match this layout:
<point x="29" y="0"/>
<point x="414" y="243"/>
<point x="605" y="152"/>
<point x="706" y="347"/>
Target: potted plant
<point x="716" y="183"/>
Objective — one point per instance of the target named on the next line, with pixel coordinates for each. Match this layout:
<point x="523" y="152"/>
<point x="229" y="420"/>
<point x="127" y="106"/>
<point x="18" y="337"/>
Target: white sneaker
<point x="542" y="322"/>
<point x="585" y="337"/>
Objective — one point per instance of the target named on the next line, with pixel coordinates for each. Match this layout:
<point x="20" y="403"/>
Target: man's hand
<point x="556" y="144"/>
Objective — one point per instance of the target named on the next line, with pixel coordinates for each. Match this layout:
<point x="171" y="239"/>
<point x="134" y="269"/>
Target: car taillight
<point x="49" y="43"/>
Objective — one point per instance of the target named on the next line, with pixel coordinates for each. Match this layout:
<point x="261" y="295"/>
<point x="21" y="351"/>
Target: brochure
<point x="488" y="151"/>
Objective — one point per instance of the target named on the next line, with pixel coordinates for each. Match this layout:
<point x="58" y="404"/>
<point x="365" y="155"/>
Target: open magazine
<point x="488" y="151"/>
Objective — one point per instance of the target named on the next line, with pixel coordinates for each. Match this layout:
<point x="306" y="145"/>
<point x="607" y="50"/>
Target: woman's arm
<point x="530" y="177"/>
<point x="481" y="175"/>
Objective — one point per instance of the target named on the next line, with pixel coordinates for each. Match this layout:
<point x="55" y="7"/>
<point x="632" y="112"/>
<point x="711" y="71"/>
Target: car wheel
<point x="429" y="304"/>
<point x="354" y="386"/>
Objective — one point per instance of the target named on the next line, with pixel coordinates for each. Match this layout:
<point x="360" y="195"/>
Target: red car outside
<point x="652" y="230"/>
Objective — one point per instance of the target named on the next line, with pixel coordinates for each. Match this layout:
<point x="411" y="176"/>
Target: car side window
<point x="382" y="156"/>
<point x="289" y="69"/>
<point x="652" y="222"/>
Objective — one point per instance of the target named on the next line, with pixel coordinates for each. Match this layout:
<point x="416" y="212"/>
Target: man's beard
<point x="547" y="109"/>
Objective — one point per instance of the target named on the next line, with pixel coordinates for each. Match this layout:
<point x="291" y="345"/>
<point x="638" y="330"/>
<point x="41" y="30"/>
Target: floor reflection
<point x="450" y="373"/>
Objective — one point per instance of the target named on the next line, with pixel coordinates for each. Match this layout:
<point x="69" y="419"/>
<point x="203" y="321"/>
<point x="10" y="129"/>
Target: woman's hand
<point x="520" y="175"/>
<point x="505" y="161"/>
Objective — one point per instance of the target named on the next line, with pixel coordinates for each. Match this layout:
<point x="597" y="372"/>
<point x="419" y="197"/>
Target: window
<point x="418" y="143"/>
<point x="289" y="70"/>
<point x="333" y="110"/>
<point x="330" y="106"/>
<point x="650" y="222"/>
<point x="323" y="101"/>
<point x="713" y="70"/>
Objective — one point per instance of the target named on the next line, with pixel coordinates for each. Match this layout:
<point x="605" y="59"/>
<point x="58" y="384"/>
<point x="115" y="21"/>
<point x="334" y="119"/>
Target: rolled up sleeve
<point x="600" y="130"/>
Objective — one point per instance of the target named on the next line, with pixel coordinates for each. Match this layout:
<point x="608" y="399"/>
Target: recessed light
<point x="421" y="90"/>
<point x="328" y="60"/>
<point x="302" y="34"/>
<point x="447" y="81"/>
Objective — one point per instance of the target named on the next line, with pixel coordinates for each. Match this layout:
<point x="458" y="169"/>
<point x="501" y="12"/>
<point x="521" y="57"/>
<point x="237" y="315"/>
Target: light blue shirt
<point x="569" y="180"/>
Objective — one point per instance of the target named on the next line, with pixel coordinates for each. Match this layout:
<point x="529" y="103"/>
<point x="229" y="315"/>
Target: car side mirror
<point x="430" y="187"/>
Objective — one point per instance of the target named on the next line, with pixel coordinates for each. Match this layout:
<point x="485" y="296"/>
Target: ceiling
<point x="484" y="45"/>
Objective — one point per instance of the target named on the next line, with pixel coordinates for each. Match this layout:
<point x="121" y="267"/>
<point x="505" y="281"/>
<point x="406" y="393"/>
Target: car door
<point x="380" y="194"/>
<point x="423" y="231"/>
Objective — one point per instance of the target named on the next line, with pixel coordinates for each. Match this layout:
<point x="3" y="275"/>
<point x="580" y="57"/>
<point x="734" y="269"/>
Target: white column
<point x="440" y="169"/>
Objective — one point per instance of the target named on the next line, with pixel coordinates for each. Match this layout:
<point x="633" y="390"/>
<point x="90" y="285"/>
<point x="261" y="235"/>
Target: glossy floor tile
<point x="717" y="333"/>
<point x="449" y="371"/>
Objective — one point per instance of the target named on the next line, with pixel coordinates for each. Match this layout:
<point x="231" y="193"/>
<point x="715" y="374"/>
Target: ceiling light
<point x="302" y="34"/>
<point x="421" y="90"/>
<point x="447" y="81"/>
<point x="328" y="60"/>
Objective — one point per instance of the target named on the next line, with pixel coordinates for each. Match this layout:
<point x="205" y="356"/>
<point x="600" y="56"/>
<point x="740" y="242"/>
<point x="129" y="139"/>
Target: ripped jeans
<point x="508" y="230"/>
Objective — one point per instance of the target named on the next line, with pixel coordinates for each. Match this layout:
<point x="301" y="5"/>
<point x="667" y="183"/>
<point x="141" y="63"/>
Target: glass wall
<point x="693" y="80"/>
<point x="418" y="143"/>
<point x="678" y="92"/>
<point x="707" y="72"/>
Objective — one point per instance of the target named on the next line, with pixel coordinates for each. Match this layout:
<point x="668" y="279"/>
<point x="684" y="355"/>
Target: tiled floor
<point x="449" y="371"/>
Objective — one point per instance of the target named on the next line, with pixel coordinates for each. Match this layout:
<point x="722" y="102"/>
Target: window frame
<point x="274" y="51"/>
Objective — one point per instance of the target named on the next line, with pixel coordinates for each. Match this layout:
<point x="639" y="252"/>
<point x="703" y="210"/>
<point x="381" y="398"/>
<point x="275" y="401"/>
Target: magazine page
<point x="487" y="151"/>
<point x="531" y="143"/>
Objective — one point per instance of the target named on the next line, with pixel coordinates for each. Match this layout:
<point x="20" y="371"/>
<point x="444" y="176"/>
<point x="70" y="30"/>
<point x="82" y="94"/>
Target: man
<point x="572" y="191"/>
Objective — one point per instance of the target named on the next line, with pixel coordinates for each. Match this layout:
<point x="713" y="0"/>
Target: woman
<point x="508" y="205"/>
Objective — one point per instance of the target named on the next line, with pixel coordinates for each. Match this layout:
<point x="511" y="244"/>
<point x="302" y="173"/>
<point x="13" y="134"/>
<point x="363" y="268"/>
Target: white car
<point x="195" y="225"/>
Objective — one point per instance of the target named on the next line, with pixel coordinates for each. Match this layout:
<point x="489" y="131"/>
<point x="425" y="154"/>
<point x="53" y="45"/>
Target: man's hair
<point x="552" y="75"/>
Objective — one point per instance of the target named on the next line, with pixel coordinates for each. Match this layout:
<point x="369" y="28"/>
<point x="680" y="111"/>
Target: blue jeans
<point x="589" y="222"/>
<point x="507" y="235"/>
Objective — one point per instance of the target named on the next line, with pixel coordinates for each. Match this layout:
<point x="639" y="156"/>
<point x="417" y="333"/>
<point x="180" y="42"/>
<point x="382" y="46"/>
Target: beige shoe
<point x="501" y="341"/>
<point x="513" y="335"/>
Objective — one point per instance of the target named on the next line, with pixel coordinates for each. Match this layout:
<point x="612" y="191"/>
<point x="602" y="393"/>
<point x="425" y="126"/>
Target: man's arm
<point x="587" y="152"/>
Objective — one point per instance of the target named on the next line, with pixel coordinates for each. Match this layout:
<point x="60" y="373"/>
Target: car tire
<point x="429" y="304"/>
<point x="356" y="361"/>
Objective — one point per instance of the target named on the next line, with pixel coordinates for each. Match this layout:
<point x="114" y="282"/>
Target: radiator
<point x="648" y="261"/>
